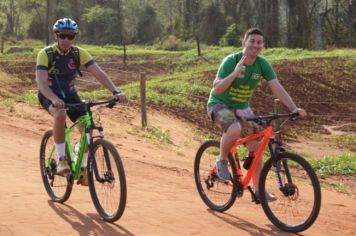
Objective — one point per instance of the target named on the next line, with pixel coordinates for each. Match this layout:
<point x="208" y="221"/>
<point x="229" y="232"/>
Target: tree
<point x="231" y="37"/>
<point x="148" y="28"/>
<point x="192" y="21"/>
<point x="10" y="9"/>
<point x="351" y="11"/>
<point x="100" y="26"/>
<point x="298" y="25"/>
<point x="268" y="21"/>
<point x="212" y="25"/>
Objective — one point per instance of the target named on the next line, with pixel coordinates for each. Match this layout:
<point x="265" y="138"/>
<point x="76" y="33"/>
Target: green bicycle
<point x="106" y="175"/>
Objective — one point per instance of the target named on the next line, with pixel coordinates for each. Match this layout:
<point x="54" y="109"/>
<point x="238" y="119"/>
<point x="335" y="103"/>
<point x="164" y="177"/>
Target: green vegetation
<point x="176" y="25"/>
<point x="29" y="98"/>
<point x="156" y="133"/>
<point x="344" y="164"/>
<point x="152" y="133"/>
<point x="339" y="187"/>
<point x="344" y="141"/>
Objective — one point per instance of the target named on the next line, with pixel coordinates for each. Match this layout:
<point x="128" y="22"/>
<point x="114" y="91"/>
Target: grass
<point x="347" y="140"/>
<point x="156" y="133"/>
<point x="210" y="54"/>
<point x="152" y="133"/>
<point x="339" y="187"/>
<point x="343" y="164"/>
<point x="344" y="141"/>
<point x="28" y="98"/>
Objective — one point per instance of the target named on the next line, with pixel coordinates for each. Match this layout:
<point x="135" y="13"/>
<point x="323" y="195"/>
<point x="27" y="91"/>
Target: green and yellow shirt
<point x="242" y="88"/>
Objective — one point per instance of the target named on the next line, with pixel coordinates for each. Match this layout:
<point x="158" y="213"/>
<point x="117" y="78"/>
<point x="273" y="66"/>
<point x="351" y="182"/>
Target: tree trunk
<point x="319" y="32"/>
<point x="76" y="10"/>
<point x="350" y="20"/>
<point x="198" y="45"/>
<point x="48" y="10"/>
<point x="337" y="26"/>
<point x="298" y="24"/>
<point x="2" y="43"/>
<point x="124" y="47"/>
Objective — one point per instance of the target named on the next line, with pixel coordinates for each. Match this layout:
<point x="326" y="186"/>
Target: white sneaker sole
<point x="63" y="172"/>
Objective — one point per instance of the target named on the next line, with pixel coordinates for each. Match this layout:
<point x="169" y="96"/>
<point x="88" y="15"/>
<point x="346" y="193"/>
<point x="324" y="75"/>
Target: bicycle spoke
<point x="298" y="201"/>
<point x="216" y="193"/>
<point x="58" y="187"/>
<point x="107" y="182"/>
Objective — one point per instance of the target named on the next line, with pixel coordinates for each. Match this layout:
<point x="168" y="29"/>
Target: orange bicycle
<point x="289" y="177"/>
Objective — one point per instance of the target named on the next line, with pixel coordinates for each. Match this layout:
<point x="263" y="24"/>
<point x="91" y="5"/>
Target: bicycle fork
<point x="287" y="189"/>
<point x="107" y="176"/>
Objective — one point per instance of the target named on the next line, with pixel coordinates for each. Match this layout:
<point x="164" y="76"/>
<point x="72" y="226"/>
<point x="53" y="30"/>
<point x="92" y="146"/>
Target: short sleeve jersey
<point x="63" y="69"/>
<point x="242" y="88"/>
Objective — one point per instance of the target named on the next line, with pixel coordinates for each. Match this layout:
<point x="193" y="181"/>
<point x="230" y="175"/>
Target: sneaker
<point x="63" y="167"/>
<point x="83" y="179"/>
<point x="222" y="170"/>
<point x="269" y="197"/>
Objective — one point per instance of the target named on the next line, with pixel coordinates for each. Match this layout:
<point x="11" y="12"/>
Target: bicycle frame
<point x="85" y="138"/>
<point x="267" y="135"/>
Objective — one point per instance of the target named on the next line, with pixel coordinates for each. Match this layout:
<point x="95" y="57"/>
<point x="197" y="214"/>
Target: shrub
<point x="231" y="36"/>
<point x="172" y="43"/>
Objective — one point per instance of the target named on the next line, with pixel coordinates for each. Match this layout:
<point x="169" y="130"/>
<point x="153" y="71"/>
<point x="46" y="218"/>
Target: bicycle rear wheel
<point x="58" y="187"/>
<point x="107" y="182"/>
<point x="298" y="202"/>
<point x="218" y="195"/>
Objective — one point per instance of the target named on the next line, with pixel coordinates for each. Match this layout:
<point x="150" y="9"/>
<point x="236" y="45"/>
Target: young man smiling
<point x="56" y="70"/>
<point x="228" y="103"/>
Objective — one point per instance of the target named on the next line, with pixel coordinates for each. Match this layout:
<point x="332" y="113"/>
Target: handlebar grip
<point x="293" y="116"/>
<point x="112" y="103"/>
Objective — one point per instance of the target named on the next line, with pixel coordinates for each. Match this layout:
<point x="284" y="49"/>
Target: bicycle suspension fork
<point x="94" y="165"/>
<point x="273" y="152"/>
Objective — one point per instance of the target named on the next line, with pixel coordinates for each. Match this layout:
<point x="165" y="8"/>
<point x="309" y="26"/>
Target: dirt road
<point x="162" y="199"/>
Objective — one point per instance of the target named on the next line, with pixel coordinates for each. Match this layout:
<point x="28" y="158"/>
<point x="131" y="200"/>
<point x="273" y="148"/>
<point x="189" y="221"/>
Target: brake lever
<point x="111" y="104"/>
<point x="293" y="116"/>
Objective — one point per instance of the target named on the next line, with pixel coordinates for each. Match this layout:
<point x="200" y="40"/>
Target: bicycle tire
<point x="61" y="187"/>
<point x="109" y="157"/>
<point x="302" y="196"/>
<point x="217" y="195"/>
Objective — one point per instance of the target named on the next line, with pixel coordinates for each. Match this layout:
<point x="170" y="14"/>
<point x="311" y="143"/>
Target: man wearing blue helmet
<point x="56" y="69"/>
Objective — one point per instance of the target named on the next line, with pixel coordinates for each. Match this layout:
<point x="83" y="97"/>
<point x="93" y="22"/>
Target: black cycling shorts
<point x="73" y="114"/>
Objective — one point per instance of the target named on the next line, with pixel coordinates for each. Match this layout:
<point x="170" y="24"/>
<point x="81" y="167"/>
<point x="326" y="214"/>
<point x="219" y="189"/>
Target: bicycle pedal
<point x="218" y="179"/>
<point x="64" y="173"/>
<point x="255" y="200"/>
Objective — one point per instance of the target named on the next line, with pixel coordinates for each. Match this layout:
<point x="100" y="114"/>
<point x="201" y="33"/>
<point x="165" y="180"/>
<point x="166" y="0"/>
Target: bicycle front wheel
<point x="107" y="182"/>
<point x="58" y="187"/>
<point x="298" y="200"/>
<point x="218" y="195"/>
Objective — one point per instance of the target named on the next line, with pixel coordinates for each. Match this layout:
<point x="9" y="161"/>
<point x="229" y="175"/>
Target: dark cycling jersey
<point x="63" y="69"/>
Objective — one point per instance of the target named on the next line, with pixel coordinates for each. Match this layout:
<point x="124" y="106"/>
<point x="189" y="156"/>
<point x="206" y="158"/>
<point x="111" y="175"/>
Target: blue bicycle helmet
<point x="65" y="24"/>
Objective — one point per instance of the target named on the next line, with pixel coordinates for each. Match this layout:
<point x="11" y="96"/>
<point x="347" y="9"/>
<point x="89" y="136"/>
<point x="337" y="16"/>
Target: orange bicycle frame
<point x="267" y="135"/>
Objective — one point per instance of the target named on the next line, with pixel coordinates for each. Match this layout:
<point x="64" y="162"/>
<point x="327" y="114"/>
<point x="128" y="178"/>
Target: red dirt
<point x="162" y="198"/>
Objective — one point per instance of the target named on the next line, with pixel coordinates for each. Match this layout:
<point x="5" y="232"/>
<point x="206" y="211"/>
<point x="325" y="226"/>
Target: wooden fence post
<point x="2" y="43"/>
<point x="277" y="123"/>
<point x="125" y="56"/>
<point x="143" y="99"/>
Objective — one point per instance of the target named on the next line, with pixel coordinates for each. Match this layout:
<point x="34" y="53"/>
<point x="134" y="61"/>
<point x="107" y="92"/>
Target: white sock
<point x="84" y="161"/>
<point x="61" y="150"/>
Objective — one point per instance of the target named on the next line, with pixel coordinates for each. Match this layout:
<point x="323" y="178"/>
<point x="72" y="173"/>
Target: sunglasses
<point x="68" y="36"/>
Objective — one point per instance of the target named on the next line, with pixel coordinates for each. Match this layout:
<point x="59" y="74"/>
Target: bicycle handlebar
<point x="111" y="103"/>
<point x="262" y="120"/>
